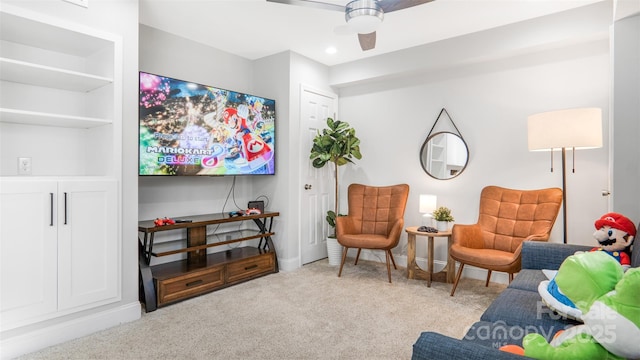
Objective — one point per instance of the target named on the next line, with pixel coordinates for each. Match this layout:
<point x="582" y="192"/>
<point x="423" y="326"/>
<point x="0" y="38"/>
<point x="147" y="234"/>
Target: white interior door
<point x="316" y="184"/>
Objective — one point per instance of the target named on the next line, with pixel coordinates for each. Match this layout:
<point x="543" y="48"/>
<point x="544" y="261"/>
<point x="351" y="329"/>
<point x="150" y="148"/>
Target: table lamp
<point x="579" y="128"/>
<point x="427" y="207"/>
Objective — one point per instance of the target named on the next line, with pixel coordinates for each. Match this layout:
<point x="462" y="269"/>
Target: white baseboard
<point x="52" y="335"/>
<point x="289" y="264"/>
<point x="469" y="271"/>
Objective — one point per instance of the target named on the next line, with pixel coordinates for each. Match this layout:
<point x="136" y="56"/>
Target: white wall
<point x="626" y="117"/>
<point x="278" y="77"/>
<point x="490" y="108"/>
<point x="523" y="70"/>
<point x="169" y="55"/>
<point x="512" y="72"/>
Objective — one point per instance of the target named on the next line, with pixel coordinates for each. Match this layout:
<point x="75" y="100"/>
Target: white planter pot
<point x="334" y="251"/>
<point x="442" y="225"/>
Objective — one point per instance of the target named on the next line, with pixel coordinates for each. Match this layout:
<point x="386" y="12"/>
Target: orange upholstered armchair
<point x="507" y="218"/>
<point x="375" y="220"/>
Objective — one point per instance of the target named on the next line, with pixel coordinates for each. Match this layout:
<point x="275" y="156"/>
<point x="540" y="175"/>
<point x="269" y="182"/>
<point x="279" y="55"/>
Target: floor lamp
<point x="565" y="129"/>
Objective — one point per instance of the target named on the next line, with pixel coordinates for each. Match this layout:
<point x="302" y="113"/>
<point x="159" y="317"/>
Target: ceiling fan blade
<point x="393" y="5"/>
<point x="311" y="3"/>
<point x="367" y="41"/>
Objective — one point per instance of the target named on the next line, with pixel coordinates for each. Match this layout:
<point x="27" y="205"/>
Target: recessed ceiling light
<point x="331" y="50"/>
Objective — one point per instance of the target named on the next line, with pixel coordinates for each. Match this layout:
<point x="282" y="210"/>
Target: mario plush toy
<point x="615" y="234"/>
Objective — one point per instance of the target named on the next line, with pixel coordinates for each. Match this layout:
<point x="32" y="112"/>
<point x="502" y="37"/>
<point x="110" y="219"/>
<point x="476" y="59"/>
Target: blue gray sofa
<point x="516" y="312"/>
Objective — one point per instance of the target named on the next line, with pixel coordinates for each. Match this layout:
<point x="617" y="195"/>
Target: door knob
<point x="307" y="186"/>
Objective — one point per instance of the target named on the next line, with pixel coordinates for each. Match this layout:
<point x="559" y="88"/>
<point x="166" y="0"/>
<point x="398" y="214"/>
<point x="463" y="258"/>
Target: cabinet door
<point x="88" y="243"/>
<point x="28" y="266"/>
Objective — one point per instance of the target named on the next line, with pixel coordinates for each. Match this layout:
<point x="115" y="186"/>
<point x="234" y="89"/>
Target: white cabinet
<point x="28" y="252"/>
<point x="60" y="106"/>
<point x="59" y="247"/>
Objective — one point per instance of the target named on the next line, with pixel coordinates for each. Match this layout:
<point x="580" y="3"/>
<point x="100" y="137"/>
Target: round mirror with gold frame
<point x="444" y="155"/>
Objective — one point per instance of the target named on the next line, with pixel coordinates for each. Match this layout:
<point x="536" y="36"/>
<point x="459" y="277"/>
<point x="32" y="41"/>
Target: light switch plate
<point x="24" y="166"/>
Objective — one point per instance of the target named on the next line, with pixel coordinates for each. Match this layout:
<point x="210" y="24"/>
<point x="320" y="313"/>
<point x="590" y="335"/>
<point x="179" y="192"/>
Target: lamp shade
<point x="427" y="203"/>
<point x="571" y="128"/>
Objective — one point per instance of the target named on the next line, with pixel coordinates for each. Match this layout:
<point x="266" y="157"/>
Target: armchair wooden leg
<point x="510" y="277"/>
<point x="392" y="260"/>
<point x="388" y="253"/>
<point x="458" y="275"/>
<point x="357" y="256"/>
<point x="486" y="284"/>
<point x="344" y="257"/>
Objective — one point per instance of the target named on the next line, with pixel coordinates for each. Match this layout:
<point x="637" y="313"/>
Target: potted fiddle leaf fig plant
<point x="339" y="145"/>
<point x="443" y="217"/>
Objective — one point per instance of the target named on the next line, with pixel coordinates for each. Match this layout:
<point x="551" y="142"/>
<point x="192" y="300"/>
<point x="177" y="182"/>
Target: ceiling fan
<point x="364" y="16"/>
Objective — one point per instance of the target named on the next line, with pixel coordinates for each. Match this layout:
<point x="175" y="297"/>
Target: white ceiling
<point x="256" y="28"/>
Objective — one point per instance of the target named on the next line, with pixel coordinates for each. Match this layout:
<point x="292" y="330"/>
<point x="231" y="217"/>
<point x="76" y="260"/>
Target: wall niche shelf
<point x="49" y="119"/>
<point x="47" y="76"/>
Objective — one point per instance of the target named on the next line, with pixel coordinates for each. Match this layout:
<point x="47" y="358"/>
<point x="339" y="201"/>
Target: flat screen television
<point x="193" y="129"/>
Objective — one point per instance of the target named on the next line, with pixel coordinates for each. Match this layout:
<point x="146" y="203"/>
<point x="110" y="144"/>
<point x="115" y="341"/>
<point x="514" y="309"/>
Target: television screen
<point x="192" y="129"/>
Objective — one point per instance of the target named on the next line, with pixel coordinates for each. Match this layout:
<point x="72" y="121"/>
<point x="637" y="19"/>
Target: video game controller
<point x="164" y="221"/>
<point x="253" y="211"/>
<point x="236" y="213"/>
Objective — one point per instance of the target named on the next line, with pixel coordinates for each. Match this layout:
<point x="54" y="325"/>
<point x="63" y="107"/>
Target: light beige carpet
<point x="309" y="313"/>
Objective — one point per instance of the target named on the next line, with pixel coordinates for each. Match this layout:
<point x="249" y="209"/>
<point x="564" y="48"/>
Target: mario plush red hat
<point x="617" y="221"/>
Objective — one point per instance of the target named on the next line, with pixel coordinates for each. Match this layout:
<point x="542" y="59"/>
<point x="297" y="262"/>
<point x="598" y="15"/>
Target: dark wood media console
<point x="200" y="272"/>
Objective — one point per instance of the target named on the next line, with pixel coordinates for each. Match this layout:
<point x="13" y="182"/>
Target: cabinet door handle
<point x="65" y="208"/>
<point x="51" y="212"/>
<point x="251" y="267"/>
<point x="194" y="283"/>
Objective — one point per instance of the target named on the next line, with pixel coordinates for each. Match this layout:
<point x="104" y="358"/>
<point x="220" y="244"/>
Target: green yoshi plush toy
<point x="609" y="299"/>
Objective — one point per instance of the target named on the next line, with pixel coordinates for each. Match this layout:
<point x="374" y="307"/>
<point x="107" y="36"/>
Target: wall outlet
<point x="24" y="166"/>
<point x="83" y="3"/>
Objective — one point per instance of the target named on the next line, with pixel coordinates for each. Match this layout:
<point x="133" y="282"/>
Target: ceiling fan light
<point x="364" y="16"/>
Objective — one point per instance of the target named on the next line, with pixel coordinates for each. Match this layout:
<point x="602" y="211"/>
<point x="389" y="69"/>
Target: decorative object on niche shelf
<point x="561" y="129"/>
<point x="443" y="217"/>
<point x="444" y="154"/>
<point x="339" y="145"/>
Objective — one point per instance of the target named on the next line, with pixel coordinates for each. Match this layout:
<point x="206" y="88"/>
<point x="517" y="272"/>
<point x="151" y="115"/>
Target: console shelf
<point x="200" y="272"/>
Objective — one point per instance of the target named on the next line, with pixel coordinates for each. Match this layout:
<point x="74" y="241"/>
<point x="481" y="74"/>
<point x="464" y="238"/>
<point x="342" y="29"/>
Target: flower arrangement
<point x="443" y="214"/>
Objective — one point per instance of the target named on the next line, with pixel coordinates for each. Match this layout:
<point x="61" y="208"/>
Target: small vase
<point x="442" y="225"/>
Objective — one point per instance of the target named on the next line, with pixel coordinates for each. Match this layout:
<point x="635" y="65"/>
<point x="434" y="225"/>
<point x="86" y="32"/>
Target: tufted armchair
<point x="507" y="218"/>
<point x="375" y="220"/>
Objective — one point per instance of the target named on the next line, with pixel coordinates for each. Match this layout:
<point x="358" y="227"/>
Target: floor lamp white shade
<point x="579" y="128"/>
<point x="571" y="128"/>
<point x="427" y="207"/>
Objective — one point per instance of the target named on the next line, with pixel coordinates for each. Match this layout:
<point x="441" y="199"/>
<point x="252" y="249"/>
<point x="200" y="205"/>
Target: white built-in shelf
<point x="41" y="75"/>
<point x="49" y="119"/>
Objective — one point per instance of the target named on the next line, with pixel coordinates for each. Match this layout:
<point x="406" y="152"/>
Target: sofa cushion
<point x="525" y="309"/>
<point x="528" y="280"/>
<point x="497" y="334"/>
<point x="544" y="255"/>
<point x="431" y="345"/>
